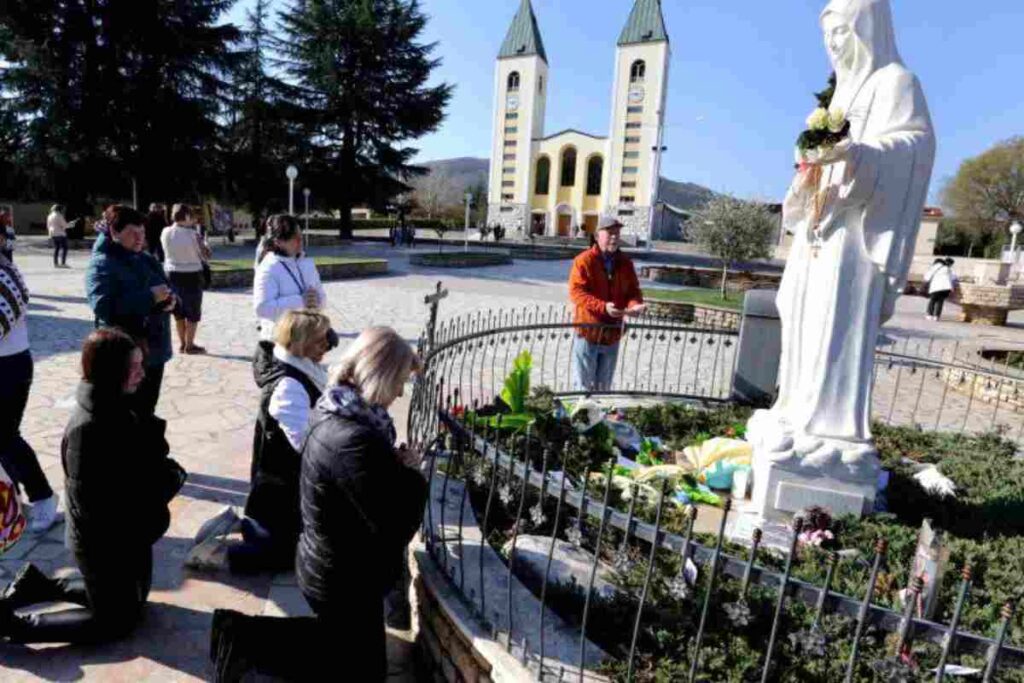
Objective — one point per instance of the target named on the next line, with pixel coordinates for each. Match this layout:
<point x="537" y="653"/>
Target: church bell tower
<point x="520" y="100"/>
<point x="638" y="117"/>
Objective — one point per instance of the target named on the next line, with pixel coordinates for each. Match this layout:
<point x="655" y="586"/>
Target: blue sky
<point x="743" y="75"/>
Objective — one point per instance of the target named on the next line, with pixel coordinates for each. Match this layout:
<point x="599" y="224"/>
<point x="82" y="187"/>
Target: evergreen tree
<point x="116" y="93"/>
<point x="265" y="131"/>
<point x="362" y="78"/>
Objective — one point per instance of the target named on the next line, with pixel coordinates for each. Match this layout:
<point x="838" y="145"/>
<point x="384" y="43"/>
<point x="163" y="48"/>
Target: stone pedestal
<point x="794" y="471"/>
<point x="791" y="486"/>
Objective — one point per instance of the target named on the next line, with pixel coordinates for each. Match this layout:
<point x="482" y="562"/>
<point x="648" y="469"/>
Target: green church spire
<point x="646" y="24"/>
<point x="523" y="39"/>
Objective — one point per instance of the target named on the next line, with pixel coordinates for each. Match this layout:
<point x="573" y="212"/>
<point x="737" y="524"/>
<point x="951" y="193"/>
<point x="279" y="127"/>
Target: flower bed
<point x="984" y="523"/>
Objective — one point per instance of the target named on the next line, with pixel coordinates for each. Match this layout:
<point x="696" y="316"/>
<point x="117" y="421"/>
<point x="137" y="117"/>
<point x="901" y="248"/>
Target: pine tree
<point x="265" y="128"/>
<point x="118" y="92"/>
<point x="362" y="77"/>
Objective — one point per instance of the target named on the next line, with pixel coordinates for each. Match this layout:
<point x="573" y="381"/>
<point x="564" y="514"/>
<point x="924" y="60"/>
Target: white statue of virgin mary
<point x="850" y="258"/>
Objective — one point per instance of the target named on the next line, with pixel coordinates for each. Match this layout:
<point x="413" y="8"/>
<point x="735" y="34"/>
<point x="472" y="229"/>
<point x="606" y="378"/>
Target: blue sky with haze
<point x="742" y="77"/>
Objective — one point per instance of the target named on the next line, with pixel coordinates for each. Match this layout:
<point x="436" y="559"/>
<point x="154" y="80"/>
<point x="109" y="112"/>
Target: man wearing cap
<point x="604" y="290"/>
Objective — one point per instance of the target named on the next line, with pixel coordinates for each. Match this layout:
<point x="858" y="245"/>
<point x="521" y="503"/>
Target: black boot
<point x="228" y="645"/>
<point x="29" y="587"/>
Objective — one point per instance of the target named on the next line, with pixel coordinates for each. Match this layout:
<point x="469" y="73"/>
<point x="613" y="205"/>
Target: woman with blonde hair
<point x="358" y="491"/>
<point x="290" y="387"/>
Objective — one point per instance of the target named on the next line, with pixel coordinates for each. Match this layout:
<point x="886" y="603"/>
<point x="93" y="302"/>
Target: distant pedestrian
<point x="604" y="290"/>
<point x="156" y="221"/>
<point x="128" y="289"/>
<point x="118" y="482"/>
<point x="16" y="369"/>
<point x="941" y="283"/>
<point x="411" y="236"/>
<point x="184" y="256"/>
<point x="290" y="387"/>
<point x="358" y="491"/>
<point x="57" y="228"/>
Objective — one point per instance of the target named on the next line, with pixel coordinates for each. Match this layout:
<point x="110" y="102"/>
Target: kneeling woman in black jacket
<point x="362" y="500"/>
<point x="118" y="482"/>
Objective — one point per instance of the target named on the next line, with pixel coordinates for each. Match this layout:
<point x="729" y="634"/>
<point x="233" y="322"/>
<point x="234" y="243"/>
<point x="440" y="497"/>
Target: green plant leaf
<point x="517" y="384"/>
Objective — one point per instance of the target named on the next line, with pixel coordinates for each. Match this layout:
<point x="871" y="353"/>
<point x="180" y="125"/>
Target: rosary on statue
<point x="821" y="197"/>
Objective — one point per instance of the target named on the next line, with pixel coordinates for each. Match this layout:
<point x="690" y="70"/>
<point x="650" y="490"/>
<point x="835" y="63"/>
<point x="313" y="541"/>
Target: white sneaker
<point x="43" y="515"/>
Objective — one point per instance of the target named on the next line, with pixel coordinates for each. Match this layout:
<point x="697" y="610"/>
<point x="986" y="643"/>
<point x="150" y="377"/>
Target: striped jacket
<point x="13" y="297"/>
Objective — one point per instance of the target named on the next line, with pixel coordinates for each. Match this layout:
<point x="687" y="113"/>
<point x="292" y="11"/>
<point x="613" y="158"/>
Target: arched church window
<point x="569" y="167"/>
<point x="638" y="71"/>
<point x="595" y="169"/>
<point x="513" y="81"/>
<point x="543" y="176"/>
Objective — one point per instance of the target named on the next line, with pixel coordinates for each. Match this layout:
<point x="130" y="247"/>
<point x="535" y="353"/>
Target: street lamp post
<point x="1015" y="230"/>
<point x="291" y="173"/>
<point x="306" y="192"/>
<point x="465" y="244"/>
<point x="658" y="150"/>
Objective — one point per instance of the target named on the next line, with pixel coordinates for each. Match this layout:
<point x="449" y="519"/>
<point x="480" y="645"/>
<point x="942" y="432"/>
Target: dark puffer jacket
<point x="274" y="497"/>
<point x="360" y="507"/>
<point x="118" y="480"/>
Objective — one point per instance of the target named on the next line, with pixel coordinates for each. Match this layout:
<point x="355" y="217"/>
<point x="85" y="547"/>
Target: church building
<point x="557" y="185"/>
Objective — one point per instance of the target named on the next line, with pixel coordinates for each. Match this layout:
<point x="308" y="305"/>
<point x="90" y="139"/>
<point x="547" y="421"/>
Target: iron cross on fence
<point x="434" y="300"/>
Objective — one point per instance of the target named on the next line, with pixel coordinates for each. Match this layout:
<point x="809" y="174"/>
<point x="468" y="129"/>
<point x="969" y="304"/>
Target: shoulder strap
<point x="299" y="281"/>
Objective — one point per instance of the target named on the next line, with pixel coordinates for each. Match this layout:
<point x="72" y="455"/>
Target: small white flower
<point x="505" y="494"/>
<point x="836" y="120"/>
<point x="574" y="535"/>
<point x="818" y="120"/>
<point x="537" y="515"/>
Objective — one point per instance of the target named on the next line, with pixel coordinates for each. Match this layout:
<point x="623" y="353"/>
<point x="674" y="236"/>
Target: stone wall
<point x="447" y="649"/>
<point x="988" y="304"/>
<point x="1008" y="393"/>
<point x="710" y="278"/>
<point x="702" y="316"/>
<point x="638" y="226"/>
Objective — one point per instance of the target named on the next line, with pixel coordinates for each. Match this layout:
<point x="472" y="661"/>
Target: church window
<point x="510" y="143"/>
<point x="510" y="157"/>
<point x="630" y="125"/>
<point x="508" y="169"/>
<point x="507" y="209"/>
<point x="513" y="81"/>
<point x="511" y="129"/>
<point x="628" y="200"/>
<point x="631" y="155"/>
<point x="508" y="183"/>
<point x="540" y="84"/>
<point x="569" y="168"/>
<point x="512" y="116"/>
<point x="630" y="139"/>
<point x="543" y="176"/>
<point x="595" y="169"/>
<point x="629" y="170"/>
<point x="635" y="109"/>
<point x="638" y="71"/>
<point x="626" y="212"/>
<point x="628" y="184"/>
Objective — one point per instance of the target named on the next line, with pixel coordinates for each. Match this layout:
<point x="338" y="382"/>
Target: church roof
<point x="523" y="38"/>
<point x="646" y="24"/>
<point x="569" y="131"/>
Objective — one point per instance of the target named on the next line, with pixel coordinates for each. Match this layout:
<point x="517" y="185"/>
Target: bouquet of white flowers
<point x="827" y="128"/>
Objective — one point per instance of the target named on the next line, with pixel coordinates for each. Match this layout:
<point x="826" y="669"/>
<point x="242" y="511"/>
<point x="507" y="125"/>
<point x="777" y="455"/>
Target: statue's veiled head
<point x="859" y="39"/>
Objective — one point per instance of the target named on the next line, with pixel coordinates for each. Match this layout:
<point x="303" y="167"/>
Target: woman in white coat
<point x="941" y="283"/>
<point x="286" y="280"/>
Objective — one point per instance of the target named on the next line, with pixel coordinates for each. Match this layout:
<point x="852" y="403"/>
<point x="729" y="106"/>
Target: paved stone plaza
<point x="210" y="403"/>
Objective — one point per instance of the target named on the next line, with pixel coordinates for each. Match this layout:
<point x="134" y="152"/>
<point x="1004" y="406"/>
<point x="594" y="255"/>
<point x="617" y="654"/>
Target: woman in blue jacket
<point x="127" y="289"/>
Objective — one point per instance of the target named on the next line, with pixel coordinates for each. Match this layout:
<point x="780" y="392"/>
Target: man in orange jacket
<point x="604" y="290"/>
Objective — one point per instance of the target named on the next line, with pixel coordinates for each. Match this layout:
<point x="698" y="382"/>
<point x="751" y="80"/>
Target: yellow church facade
<point x="557" y="185"/>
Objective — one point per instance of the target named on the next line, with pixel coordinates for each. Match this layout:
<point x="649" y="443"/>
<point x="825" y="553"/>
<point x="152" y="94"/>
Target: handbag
<point x="12" y="518"/>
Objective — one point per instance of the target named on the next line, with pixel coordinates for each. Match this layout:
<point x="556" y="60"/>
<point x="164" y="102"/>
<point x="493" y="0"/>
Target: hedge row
<point x="334" y="224"/>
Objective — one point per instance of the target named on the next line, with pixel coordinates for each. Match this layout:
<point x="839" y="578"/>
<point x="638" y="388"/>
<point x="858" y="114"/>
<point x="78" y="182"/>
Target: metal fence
<point x="927" y="383"/>
<point x="931" y="384"/>
<point x="459" y="455"/>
